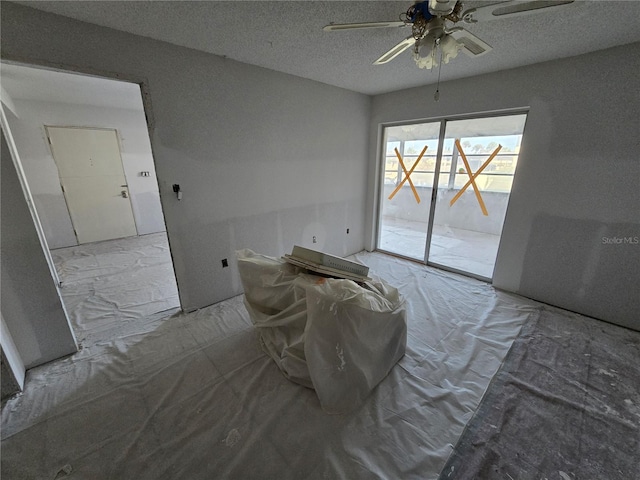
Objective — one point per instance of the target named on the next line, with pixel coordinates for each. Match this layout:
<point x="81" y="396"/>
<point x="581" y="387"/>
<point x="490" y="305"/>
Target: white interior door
<point x="93" y="181"/>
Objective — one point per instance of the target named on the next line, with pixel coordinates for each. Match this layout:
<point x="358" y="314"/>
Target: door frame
<point x="145" y="94"/>
<point x="15" y="362"/>
<point x="434" y="188"/>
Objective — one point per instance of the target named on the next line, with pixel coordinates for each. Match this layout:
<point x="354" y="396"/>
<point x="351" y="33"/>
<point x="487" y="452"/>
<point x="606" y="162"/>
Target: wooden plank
<point x="393" y="194"/>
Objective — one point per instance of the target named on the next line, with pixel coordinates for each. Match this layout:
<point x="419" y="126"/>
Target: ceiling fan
<point x="431" y="33"/>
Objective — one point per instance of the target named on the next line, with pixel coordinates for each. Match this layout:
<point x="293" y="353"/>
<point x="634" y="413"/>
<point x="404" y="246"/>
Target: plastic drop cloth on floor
<point x="194" y="396"/>
<point x="329" y="334"/>
<point x="565" y="404"/>
<point x="109" y="286"/>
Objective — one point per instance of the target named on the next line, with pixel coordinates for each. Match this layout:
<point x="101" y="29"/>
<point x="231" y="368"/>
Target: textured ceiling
<point x="287" y="35"/>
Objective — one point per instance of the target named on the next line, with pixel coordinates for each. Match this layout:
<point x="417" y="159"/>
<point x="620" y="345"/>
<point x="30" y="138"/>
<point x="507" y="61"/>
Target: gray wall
<point x="31" y="307"/>
<point x="577" y="182"/>
<point x="42" y="173"/>
<point x="265" y="160"/>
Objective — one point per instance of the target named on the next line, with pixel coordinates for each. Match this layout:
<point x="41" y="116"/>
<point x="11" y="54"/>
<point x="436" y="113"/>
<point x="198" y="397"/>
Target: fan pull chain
<point x="436" y="96"/>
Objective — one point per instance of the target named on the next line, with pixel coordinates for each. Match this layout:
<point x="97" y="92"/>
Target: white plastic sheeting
<point x="194" y="396"/>
<point x="109" y="286"/>
<point x="328" y="334"/>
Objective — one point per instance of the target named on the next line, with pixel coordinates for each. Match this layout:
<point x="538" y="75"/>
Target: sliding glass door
<point x="446" y="205"/>
<point x="410" y="157"/>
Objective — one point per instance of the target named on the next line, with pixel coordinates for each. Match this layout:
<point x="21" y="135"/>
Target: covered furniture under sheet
<point x="329" y="334"/>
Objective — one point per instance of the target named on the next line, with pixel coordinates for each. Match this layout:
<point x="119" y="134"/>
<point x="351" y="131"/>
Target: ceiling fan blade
<point x="395" y="51"/>
<point x="511" y="8"/>
<point x="333" y="27"/>
<point x="472" y="45"/>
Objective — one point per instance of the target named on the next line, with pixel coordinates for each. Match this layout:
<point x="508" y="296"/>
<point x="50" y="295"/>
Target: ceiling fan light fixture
<point x="450" y="48"/>
<point x="425" y="53"/>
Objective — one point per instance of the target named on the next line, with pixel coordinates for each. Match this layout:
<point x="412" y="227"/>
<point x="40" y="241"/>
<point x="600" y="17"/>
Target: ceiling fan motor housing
<point x="430" y="9"/>
<point x="441" y="7"/>
<point x="419" y="10"/>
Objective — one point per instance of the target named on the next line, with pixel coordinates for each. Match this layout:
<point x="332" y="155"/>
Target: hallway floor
<point x="108" y="287"/>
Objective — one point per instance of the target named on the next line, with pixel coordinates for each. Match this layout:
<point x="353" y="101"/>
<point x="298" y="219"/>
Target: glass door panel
<point x="409" y="172"/>
<point x="478" y="164"/>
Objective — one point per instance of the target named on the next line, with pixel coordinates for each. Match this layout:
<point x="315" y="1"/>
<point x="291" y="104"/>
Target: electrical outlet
<point x="225" y="263"/>
<point x="314" y="239"/>
<point x="347" y="231"/>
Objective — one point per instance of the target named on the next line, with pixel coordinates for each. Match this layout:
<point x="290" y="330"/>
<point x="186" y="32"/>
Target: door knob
<point x="125" y="194"/>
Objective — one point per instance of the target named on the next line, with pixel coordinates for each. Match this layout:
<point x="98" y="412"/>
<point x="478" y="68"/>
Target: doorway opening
<point x="84" y="149"/>
<point x="445" y="190"/>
